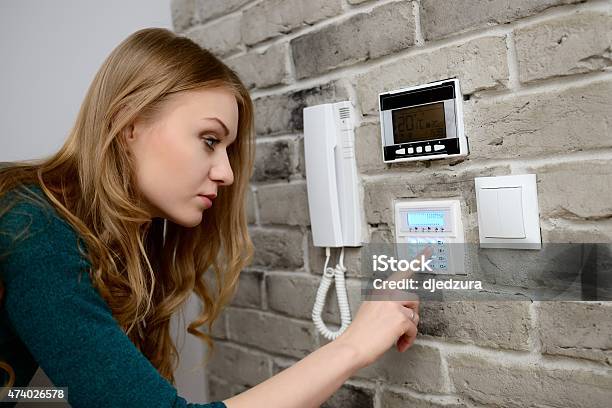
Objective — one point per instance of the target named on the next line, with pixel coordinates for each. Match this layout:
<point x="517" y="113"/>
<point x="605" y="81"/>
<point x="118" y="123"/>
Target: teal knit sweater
<point x="52" y="316"/>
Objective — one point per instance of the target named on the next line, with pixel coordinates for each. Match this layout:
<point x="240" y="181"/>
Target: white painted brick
<point x="575" y="190"/>
<point x="576" y="44"/>
<point x="542" y="124"/>
<point x="183" y="14"/>
<point x="271" y="18"/>
<point x="220" y="37"/>
<point x="277" y="249"/>
<point x="273" y="333"/>
<point x="577" y="329"/>
<point x="238" y="365"/>
<point x="261" y="70"/>
<point x="284" y="112"/>
<point x="209" y="9"/>
<point x="419" y="367"/>
<point x="519" y="385"/>
<point x="479" y="64"/>
<point x="285" y="203"/>
<point x="382" y="31"/>
<point x="438" y="20"/>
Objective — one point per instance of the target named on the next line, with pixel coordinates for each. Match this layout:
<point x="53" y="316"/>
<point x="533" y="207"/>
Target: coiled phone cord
<point x="343" y="304"/>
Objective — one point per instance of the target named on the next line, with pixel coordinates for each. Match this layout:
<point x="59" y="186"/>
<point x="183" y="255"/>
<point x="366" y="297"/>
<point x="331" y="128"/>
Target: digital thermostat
<point x="423" y="122"/>
<point x="431" y="223"/>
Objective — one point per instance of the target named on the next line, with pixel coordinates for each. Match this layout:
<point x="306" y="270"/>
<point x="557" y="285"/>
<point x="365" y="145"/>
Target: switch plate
<point x="508" y="212"/>
<point x="502" y="212"/>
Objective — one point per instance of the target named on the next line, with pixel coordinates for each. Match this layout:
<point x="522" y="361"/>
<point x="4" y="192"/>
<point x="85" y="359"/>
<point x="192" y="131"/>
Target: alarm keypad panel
<point x="437" y="224"/>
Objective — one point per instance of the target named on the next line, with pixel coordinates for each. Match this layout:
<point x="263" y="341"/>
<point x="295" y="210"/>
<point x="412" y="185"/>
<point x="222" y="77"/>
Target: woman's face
<point x="183" y="153"/>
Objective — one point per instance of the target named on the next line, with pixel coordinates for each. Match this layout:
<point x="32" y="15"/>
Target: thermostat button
<point x="419" y="149"/>
<point x="410" y="150"/>
<point x="428" y="148"/>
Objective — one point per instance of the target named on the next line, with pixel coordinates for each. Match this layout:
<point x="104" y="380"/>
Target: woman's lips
<point x="207" y="201"/>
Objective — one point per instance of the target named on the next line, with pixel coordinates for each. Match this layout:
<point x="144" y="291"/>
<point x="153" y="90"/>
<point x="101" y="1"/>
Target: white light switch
<point x="510" y="203"/>
<point x="508" y="214"/>
<point x="502" y="212"/>
<point x="488" y="210"/>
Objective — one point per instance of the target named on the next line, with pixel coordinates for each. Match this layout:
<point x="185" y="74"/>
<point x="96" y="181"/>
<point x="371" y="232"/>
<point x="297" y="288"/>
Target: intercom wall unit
<point x="332" y="180"/>
<point x="431" y="223"/>
<point x="423" y="122"/>
<point x="334" y="199"/>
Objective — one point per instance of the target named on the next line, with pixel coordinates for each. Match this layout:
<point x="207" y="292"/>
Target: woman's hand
<point x="380" y="324"/>
<point x="377" y="326"/>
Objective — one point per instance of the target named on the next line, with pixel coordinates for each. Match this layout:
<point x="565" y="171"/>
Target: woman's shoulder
<point x="26" y="214"/>
<point x="25" y="205"/>
<point x="34" y="236"/>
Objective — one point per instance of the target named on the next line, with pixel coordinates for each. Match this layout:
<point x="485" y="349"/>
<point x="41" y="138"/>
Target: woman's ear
<point x="128" y="132"/>
<point x="127" y="138"/>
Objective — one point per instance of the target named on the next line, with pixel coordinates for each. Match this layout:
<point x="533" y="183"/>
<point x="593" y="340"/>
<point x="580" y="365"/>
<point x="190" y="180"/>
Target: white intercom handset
<point x="333" y="197"/>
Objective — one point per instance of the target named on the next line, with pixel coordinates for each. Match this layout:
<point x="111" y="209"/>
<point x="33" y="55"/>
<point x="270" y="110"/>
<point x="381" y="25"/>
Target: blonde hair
<point x="143" y="274"/>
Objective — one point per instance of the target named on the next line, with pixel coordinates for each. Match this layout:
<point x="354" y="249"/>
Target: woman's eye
<point x="210" y="142"/>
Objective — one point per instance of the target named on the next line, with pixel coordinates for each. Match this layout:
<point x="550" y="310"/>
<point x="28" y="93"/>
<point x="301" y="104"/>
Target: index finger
<point x="400" y="275"/>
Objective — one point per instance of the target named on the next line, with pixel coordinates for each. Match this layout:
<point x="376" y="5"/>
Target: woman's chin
<point x="189" y="222"/>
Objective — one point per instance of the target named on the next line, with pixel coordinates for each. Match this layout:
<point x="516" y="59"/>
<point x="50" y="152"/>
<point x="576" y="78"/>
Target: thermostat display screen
<point x="429" y="218"/>
<point x="419" y="123"/>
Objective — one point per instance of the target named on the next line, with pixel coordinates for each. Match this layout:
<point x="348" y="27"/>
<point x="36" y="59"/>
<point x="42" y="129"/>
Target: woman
<point x="102" y="242"/>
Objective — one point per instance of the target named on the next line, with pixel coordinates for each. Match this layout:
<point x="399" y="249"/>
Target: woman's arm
<point x="312" y="380"/>
<point x="307" y="383"/>
<point x="72" y="334"/>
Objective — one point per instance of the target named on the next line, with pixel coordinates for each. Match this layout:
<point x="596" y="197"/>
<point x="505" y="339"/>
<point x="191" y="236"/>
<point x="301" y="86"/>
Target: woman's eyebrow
<point x="221" y="123"/>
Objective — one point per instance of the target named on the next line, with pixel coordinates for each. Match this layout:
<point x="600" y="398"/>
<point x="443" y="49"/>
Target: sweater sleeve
<point x="68" y="327"/>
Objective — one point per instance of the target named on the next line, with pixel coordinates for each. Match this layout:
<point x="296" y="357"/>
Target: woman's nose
<point x="221" y="171"/>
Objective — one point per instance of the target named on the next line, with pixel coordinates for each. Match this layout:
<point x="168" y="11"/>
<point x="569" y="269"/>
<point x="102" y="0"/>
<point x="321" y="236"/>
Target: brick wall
<point x="536" y="76"/>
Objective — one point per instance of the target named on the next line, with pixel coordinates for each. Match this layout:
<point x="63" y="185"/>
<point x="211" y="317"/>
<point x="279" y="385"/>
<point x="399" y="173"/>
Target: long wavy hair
<point x="146" y="268"/>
